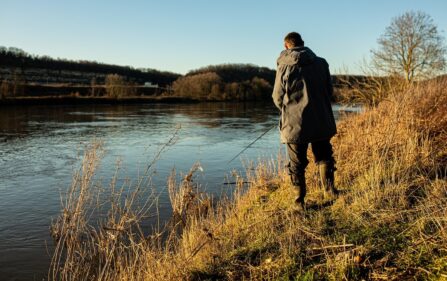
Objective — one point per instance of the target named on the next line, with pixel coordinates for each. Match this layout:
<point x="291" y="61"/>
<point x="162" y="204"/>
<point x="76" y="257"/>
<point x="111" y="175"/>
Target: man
<point x="303" y="91"/>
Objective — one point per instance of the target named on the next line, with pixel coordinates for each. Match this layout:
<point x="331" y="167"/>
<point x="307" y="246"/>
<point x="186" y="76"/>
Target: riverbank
<point x="388" y="224"/>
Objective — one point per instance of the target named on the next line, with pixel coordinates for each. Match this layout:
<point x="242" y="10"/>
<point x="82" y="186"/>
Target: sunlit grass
<point x="388" y="224"/>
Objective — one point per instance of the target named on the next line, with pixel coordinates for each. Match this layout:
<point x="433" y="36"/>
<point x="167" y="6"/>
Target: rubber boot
<point x="299" y="181"/>
<point x="327" y="170"/>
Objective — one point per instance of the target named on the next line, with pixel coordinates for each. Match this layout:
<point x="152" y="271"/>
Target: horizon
<point x="144" y="34"/>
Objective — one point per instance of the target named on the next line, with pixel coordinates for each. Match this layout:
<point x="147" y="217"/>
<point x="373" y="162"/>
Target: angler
<point x="302" y="92"/>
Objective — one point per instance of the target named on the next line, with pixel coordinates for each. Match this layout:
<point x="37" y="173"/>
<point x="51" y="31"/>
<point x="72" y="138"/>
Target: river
<point x="41" y="147"/>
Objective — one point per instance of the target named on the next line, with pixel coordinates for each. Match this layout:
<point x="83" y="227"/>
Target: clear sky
<point x="181" y="35"/>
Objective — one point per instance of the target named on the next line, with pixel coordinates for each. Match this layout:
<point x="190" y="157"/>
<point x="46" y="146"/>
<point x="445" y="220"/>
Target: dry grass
<point x="390" y="223"/>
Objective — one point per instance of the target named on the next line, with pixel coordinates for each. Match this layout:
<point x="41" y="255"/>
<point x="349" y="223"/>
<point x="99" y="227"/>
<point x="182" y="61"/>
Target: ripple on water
<point x="40" y="151"/>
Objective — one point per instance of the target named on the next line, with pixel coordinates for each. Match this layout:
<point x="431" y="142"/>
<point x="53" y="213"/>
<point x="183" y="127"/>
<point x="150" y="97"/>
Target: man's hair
<point x="294" y="39"/>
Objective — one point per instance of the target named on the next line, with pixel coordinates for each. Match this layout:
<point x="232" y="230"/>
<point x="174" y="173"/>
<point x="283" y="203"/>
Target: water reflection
<point x="16" y="121"/>
<point x="41" y="145"/>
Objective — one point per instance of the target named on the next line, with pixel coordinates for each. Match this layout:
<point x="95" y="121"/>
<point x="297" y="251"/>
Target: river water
<point x="41" y="147"/>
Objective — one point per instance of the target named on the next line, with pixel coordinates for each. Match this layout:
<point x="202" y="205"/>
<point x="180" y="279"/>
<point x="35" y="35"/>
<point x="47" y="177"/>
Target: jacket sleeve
<point x="278" y="88"/>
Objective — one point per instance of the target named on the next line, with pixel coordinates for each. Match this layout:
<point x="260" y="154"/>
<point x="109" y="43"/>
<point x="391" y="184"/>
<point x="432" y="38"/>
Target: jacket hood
<point x="300" y="56"/>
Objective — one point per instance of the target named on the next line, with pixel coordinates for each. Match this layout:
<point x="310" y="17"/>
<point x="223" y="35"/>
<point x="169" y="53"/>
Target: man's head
<point x="292" y="40"/>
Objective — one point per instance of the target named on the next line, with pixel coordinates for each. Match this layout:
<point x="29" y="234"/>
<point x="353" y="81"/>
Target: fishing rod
<point x="248" y="146"/>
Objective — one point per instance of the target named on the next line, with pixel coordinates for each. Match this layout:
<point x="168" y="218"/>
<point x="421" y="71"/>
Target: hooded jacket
<point x="303" y="91"/>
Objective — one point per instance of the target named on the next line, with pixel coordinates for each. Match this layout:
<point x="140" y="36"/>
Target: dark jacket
<point x="303" y="91"/>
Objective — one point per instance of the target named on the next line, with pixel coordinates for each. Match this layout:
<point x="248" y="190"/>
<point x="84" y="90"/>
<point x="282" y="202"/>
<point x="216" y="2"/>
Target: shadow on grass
<point x="319" y="206"/>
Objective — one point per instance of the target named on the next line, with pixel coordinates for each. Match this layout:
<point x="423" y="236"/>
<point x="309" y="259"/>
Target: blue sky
<point x="181" y="35"/>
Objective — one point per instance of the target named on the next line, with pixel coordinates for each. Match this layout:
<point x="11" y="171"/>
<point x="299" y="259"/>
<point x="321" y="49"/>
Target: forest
<point x="42" y="69"/>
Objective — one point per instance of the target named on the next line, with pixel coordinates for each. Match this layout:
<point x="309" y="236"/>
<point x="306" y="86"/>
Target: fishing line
<point x="248" y="146"/>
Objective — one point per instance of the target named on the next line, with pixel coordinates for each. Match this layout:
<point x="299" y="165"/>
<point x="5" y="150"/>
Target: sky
<point x="182" y="35"/>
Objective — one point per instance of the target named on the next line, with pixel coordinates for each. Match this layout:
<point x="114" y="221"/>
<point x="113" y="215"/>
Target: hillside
<point x="16" y="64"/>
<point x="22" y="74"/>
<point x="237" y="72"/>
<point x="241" y="82"/>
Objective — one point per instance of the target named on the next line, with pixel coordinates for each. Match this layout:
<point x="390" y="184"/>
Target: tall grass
<point x="390" y="223"/>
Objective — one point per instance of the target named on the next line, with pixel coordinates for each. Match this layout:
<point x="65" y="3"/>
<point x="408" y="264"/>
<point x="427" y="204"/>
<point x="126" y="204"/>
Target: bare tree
<point x="18" y="83"/>
<point x="115" y="85"/>
<point x="5" y="89"/>
<point x="199" y="86"/>
<point x="93" y="85"/>
<point x="411" y="47"/>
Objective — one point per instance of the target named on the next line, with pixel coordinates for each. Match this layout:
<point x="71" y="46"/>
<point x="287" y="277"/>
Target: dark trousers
<point x="322" y="151"/>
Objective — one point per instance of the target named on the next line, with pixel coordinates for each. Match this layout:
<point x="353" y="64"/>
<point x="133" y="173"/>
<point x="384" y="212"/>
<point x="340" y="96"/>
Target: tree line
<point x="226" y="82"/>
<point x="16" y="58"/>
<point x="237" y="72"/>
